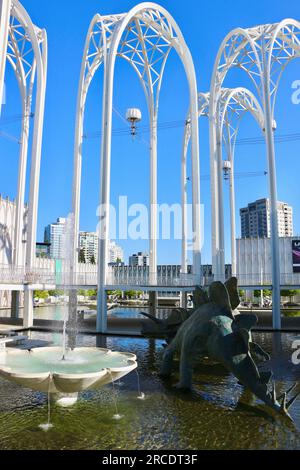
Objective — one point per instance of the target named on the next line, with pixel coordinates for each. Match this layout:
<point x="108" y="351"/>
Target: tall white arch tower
<point x="24" y="46"/>
<point x="143" y="37"/>
<point x="233" y="104"/>
<point x="263" y="53"/>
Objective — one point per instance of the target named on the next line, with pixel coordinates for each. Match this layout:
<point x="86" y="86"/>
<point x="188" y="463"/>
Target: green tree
<point x="82" y="256"/>
<point x="266" y="292"/>
<point x="41" y="294"/>
<point x="131" y="294"/>
<point x="289" y="293"/>
<point x="92" y="293"/>
<point x="93" y="260"/>
<point x="56" y="293"/>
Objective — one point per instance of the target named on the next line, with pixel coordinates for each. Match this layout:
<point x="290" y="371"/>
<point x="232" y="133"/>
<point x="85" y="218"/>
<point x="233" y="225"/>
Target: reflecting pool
<point x="218" y="414"/>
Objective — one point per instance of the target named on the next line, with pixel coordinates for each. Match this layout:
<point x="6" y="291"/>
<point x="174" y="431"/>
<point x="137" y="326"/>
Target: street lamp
<point x="133" y="116"/>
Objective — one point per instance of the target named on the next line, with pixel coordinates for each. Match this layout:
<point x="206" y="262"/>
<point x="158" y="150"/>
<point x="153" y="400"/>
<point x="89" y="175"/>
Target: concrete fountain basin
<point x="45" y="370"/>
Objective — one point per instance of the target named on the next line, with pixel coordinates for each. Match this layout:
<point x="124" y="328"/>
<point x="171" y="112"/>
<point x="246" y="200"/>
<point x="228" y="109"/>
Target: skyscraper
<point x="256" y="222"/>
<point x="55" y="235"/>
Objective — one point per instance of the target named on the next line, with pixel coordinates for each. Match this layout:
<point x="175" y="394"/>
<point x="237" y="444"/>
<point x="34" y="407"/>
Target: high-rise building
<point x="88" y="245"/>
<point x="256" y="220"/>
<point x="55" y="235"/>
<point x="139" y="259"/>
<point x="115" y="253"/>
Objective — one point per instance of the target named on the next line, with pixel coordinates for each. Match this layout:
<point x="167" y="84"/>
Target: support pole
<point x="273" y="191"/>
<point x="232" y="212"/>
<point x="221" y="253"/>
<point x="197" y="242"/>
<point x="15" y="304"/>
<point x="19" y="247"/>
<point x="105" y="170"/>
<point x="184" y="198"/>
<point x="5" y="6"/>
<point x="214" y="190"/>
<point x="153" y="195"/>
<point x="35" y="177"/>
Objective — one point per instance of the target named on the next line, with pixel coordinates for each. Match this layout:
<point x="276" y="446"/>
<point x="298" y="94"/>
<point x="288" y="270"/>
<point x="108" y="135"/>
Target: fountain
<point x="45" y="370"/>
<point x="62" y="372"/>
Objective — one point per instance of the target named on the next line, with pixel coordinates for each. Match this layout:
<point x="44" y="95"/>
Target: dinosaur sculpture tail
<point x="282" y="400"/>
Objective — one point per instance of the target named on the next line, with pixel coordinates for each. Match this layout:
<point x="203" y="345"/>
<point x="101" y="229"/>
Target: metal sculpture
<point x="214" y="331"/>
<point x="233" y="105"/>
<point x="24" y="46"/>
<point x="144" y="37"/>
<point x="263" y="53"/>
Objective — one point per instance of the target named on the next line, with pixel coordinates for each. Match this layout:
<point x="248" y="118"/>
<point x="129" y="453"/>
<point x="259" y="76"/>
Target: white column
<point x="35" y="177"/>
<point x="5" y="6"/>
<point x="20" y="200"/>
<point x="195" y="180"/>
<point x="105" y="169"/>
<point x="184" y="198"/>
<point x="153" y="194"/>
<point x="19" y="247"/>
<point x="221" y="253"/>
<point x="232" y="211"/>
<point x="77" y="187"/>
<point x="214" y="190"/>
<point x="273" y="192"/>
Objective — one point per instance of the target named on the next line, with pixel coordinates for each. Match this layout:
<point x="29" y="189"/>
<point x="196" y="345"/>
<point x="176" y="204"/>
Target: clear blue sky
<point x="204" y="25"/>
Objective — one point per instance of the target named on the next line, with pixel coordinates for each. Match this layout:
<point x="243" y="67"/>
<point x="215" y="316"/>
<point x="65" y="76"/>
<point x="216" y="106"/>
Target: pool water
<point x="218" y="414"/>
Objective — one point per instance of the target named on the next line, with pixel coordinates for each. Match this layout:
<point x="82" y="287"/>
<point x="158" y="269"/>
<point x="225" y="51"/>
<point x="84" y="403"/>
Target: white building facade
<point x="115" y="253"/>
<point x="254" y="262"/>
<point x="88" y="245"/>
<point x="139" y="259"/>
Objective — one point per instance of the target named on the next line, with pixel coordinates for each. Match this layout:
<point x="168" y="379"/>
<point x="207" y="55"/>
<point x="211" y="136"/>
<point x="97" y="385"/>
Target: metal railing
<point x="19" y="275"/>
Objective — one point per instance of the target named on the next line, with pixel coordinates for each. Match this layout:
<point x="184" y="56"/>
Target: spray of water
<point x="117" y="415"/>
<point x="47" y="426"/>
<point x="68" y="268"/>
<point x="141" y="395"/>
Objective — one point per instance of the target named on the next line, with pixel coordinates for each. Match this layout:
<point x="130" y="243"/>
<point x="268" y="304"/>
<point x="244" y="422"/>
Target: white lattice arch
<point x="24" y="46"/>
<point x="233" y="105"/>
<point x="263" y="52"/>
<point x="144" y="37"/>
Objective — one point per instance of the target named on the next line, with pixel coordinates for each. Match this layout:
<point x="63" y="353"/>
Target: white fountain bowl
<point x="43" y="369"/>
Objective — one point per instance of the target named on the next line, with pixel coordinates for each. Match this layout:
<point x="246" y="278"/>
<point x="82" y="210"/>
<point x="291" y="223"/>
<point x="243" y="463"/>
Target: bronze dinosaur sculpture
<point x="215" y="329"/>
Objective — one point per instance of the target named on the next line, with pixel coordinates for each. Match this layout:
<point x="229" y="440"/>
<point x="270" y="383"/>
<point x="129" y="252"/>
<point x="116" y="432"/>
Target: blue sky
<point x="204" y="25"/>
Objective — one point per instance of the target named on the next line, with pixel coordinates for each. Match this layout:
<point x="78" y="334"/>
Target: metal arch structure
<point x="143" y="37"/>
<point x="233" y="105"/>
<point x="24" y="46"/>
<point x="263" y="53"/>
